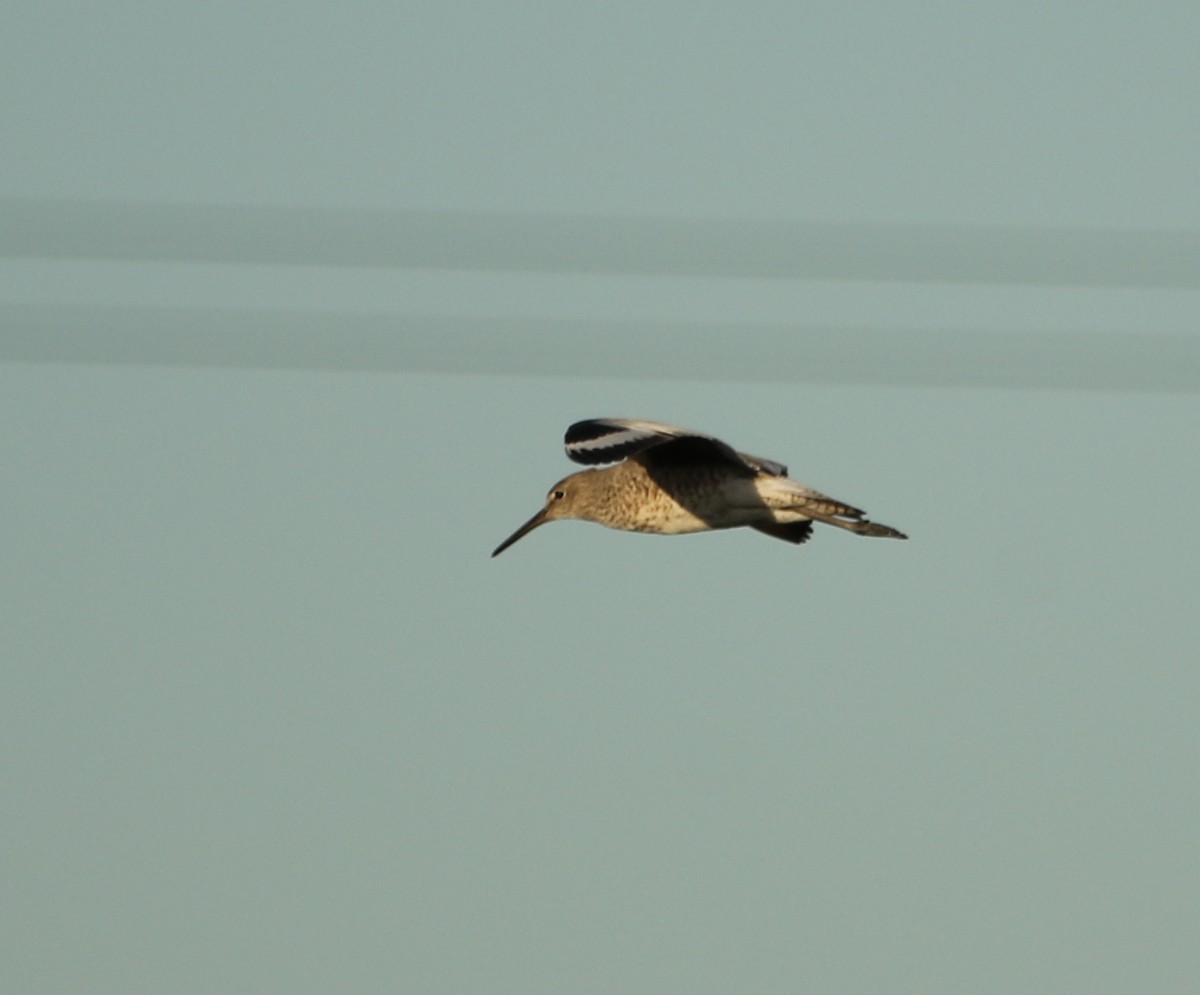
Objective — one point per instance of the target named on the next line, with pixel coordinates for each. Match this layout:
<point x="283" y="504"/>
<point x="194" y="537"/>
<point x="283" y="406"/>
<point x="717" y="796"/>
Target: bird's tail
<point x="785" y="494"/>
<point x="850" y="519"/>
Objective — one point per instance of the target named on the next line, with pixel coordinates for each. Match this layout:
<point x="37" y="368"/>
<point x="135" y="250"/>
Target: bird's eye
<point x="559" y="495"/>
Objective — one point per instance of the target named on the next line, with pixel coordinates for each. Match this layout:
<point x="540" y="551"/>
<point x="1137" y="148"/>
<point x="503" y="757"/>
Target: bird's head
<point x="564" y="500"/>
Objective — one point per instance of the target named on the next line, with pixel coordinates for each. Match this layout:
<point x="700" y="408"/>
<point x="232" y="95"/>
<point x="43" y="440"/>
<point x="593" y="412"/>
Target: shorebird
<point x="670" y="481"/>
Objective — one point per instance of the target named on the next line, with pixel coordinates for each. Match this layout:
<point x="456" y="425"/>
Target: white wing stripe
<point x="609" y="441"/>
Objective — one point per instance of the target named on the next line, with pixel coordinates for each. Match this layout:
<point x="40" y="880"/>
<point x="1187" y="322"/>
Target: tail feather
<point x="857" y="524"/>
<point x="785" y="494"/>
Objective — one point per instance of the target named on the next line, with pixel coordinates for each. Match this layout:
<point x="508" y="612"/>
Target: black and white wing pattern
<point x="610" y="440"/>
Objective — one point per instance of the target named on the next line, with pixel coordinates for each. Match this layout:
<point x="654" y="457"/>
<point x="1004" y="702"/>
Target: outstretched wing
<point x="609" y="440"/>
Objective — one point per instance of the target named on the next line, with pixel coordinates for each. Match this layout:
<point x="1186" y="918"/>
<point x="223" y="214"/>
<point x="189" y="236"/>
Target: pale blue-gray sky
<point x="274" y="722"/>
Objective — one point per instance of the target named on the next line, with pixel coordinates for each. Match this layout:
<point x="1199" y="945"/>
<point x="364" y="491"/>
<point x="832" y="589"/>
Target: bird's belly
<point x="676" y="504"/>
<point x="672" y="521"/>
<point x="673" y="518"/>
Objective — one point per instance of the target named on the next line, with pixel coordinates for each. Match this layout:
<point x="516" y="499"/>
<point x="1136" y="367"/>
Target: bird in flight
<point x="671" y="481"/>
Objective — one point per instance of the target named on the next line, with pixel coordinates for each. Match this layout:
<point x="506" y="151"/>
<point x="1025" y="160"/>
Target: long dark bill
<point x="525" y="529"/>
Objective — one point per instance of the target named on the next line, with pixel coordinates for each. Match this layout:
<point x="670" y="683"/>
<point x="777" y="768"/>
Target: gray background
<point x="295" y="303"/>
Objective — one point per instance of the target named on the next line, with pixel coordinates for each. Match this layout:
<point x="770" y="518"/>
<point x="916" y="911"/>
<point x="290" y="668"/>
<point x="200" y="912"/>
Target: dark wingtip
<point x="796" y="532"/>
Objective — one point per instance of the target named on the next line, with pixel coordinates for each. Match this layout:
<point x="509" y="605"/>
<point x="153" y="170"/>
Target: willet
<point x="671" y="481"/>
